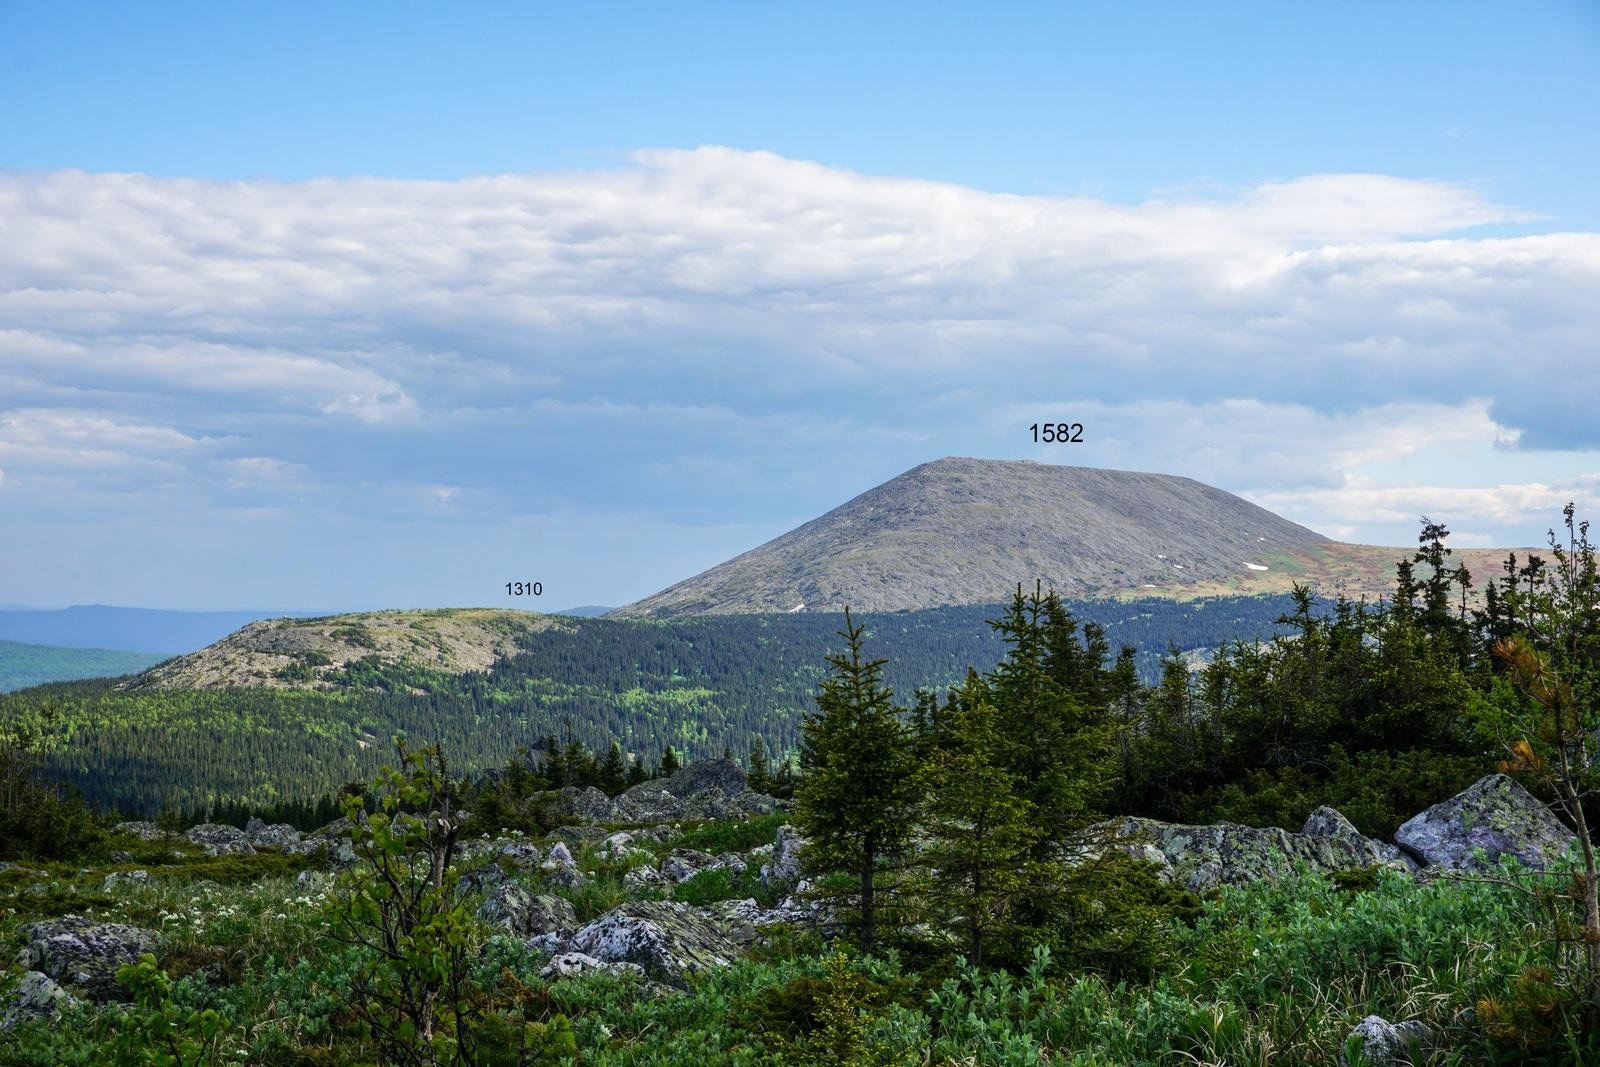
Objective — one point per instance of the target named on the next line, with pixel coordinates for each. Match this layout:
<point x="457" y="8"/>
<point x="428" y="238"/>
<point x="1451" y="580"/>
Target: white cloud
<point x="704" y="332"/>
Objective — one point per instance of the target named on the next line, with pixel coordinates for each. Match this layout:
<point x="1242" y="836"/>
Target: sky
<point x="336" y="306"/>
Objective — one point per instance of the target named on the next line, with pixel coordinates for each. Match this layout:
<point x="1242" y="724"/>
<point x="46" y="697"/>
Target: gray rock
<point x="740" y="920"/>
<point x="588" y="803"/>
<point x="668" y="940"/>
<point x="85" y="953"/>
<point x="1329" y="822"/>
<point x="219" y="840"/>
<point x="36" y="996"/>
<point x="1225" y="853"/>
<point x="1494" y="814"/>
<point x="783" y="868"/>
<point x="708" y="789"/>
<point x="1386" y="1044"/>
<point x="118" y="879"/>
<point x="312" y="881"/>
<point x="280" y="837"/>
<point x="560" y="857"/>
<point x="144" y="831"/>
<point x="517" y="911"/>
<point x="568" y="964"/>
<point x="682" y="864"/>
<point x="640" y="879"/>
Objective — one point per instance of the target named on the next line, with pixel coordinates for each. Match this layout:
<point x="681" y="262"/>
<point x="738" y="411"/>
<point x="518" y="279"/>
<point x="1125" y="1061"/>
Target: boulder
<point x="742" y="805"/>
<point x="783" y="868"/>
<point x="568" y="964"/>
<point x="518" y="911"/>
<point x="667" y="940"/>
<point x="560" y="857"/>
<point x="218" y="840"/>
<point x="1328" y="822"/>
<point x="641" y="879"/>
<point x="1494" y="814"/>
<point x="280" y="837"/>
<point x="1225" y="853"/>
<point x="35" y="996"/>
<point x="85" y="953"/>
<point x="708" y="789"/>
<point x="682" y="864"/>
<point x="117" y="879"/>
<point x="1386" y="1044"/>
<point x="144" y="831"/>
<point x="588" y="803"/>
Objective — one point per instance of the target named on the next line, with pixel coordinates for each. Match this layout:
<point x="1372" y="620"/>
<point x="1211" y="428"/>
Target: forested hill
<point x="699" y="684"/>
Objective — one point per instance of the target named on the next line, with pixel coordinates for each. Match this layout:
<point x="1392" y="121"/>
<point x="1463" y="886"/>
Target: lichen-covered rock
<point x="568" y="964"/>
<point x="279" y="837"/>
<point x="1329" y="822"/>
<point x="1225" y="853"/>
<point x="740" y="920"/>
<point x="144" y="831"/>
<point x="518" y="911"/>
<point x="639" y="879"/>
<point x="682" y="864"/>
<point x="744" y="804"/>
<point x="219" y="840"/>
<point x="1494" y="814"/>
<point x="85" y="953"/>
<point x="709" y="789"/>
<point x="585" y="804"/>
<point x="35" y="996"/>
<point x="1386" y="1044"/>
<point x="509" y="852"/>
<point x="668" y="940"/>
<point x="783" y="868"/>
<point x="119" y="879"/>
<point x="560" y="856"/>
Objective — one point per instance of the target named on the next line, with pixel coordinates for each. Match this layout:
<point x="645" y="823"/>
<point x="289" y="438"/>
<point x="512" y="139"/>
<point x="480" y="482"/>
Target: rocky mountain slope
<point x="966" y="531"/>
<point x="310" y="653"/>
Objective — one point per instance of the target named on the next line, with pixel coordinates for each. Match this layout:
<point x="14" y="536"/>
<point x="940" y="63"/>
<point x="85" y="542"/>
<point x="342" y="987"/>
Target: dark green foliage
<point x="157" y="1032"/>
<point x="39" y="819"/>
<point x="856" y="801"/>
<point x="1361" y="708"/>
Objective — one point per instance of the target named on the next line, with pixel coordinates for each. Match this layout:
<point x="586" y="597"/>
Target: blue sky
<point x="391" y="304"/>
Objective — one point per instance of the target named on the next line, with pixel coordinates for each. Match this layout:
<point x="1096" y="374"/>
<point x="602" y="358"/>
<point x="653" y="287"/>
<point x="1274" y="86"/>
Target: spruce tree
<point x="759" y="777"/>
<point x="669" y="763"/>
<point x="613" y="773"/>
<point x="979" y="829"/>
<point x="856" y="801"/>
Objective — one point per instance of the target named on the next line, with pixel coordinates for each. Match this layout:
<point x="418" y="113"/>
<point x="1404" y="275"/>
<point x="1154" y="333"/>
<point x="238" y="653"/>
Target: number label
<point x="1061" y="433"/>
<point x="524" y="589"/>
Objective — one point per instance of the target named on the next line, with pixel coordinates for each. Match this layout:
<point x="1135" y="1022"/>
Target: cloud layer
<point x="712" y="335"/>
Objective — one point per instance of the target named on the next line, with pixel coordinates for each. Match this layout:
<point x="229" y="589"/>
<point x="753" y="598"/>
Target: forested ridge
<point x="700" y="684"/>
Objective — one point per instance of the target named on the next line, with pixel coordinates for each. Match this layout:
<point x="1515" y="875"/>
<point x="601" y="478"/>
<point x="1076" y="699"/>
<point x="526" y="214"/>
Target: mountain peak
<point x="963" y="530"/>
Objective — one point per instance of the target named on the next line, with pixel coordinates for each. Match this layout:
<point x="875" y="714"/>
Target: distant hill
<point x="966" y="531"/>
<point x="586" y="611"/>
<point x="298" y="707"/>
<point x="164" y="633"/>
<point x="316" y="652"/>
<point x="23" y="665"/>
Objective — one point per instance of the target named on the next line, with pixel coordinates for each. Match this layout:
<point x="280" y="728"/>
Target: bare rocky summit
<point x="308" y="653"/>
<point x="966" y="531"/>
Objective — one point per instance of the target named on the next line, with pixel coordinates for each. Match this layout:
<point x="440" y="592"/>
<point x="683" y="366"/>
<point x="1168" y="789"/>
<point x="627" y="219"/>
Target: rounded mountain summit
<point x="966" y="531"/>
